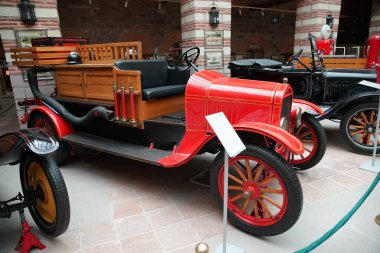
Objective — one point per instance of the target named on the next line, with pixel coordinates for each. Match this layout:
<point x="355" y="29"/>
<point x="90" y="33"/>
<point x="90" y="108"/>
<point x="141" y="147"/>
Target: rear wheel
<point x="313" y="137"/>
<point x="40" y="120"/>
<point x="358" y="128"/>
<point x="264" y="193"/>
<point x="51" y="206"/>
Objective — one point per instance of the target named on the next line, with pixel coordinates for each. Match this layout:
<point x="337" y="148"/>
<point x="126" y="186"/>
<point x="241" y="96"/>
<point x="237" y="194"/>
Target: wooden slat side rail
<point x="108" y="53"/>
<point x="356" y="63"/>
<point x="35" y="56"/>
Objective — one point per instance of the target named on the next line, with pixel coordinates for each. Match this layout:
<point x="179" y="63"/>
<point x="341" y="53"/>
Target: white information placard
<point x="226" y="133"/>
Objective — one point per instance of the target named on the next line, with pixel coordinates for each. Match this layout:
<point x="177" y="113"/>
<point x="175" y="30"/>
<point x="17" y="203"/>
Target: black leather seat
<point x="157" y="80"/>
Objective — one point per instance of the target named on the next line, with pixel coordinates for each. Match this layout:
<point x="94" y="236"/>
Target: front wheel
<point x="313" y="137"/>
<point x="264" y="193"/>
<point x="358" y="128"/>
<point x="51" y="207"/>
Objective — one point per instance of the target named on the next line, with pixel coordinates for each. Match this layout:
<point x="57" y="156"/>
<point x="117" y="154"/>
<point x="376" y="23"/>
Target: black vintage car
<point x="337" y="91"/>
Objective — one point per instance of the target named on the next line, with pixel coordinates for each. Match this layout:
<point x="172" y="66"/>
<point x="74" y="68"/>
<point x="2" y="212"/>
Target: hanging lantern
<point x="214" y="16"/>
<point x="330" y="21"/>
<point x="27" y="11"/>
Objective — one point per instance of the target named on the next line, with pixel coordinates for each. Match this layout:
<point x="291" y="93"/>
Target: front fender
<point x="38" y="141"/>
<point x="276" y="133"/>
<point x="353" y="100"/>
<point x="192" y="142"/>
<point x="62" y="126"/>
<point x="306" y="106"/>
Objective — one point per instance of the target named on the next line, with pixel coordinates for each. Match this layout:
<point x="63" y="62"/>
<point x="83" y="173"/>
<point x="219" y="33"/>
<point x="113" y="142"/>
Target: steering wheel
<point x="190" y="56"/>
<point x="295" y="57"/>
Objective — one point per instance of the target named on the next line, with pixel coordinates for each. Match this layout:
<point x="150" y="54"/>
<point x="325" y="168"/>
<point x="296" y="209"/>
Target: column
<point x="194" y="25"/>
<point x="374" y="27"/>
<point x="311" y="16"/>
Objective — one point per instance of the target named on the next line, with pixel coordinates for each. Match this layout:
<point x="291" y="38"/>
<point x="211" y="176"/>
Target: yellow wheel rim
<point x="37" y="179"/>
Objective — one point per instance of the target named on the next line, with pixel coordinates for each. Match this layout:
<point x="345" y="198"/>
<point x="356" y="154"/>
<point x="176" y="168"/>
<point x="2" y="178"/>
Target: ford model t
<point x="336" y="90"/>
<point x="146" y="111"/>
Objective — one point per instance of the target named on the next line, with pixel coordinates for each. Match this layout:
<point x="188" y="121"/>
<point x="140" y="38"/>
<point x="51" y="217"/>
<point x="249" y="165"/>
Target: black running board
<point x="119" y="148"/>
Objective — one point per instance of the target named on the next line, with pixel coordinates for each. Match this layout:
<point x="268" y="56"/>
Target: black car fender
<point x="340" y="107"/>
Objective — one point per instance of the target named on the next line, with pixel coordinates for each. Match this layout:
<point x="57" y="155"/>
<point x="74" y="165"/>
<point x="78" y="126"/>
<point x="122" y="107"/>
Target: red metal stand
<point x="116" y="100"/>
<point x="27" y="239"/>
<point x="123" y="104"/>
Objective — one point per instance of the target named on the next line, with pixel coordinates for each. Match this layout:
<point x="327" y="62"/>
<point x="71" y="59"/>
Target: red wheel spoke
<point x="237" y="169"/>
<point x="237" y="197"/>
<point x="248" y="168"/>
<point x="271" y="201"/>
<point x="304" y="135"/>
<point x="359" y="121"/>
<point x="299" y="130"/>
<point x="258" y="173"/>
<point x="364" y="118"/>
<point x="307" y="141"/>
<point x="302" y="156"/>
<point x="368" y="139"/>
<point x="235" y="179"/>
<point x="308" y="150"/>
<point x="233" y="187"/>
<point x="265" y="207"/>
<point x="357" y="132"/>
<point x="270" y="190"/>
<point x="266" y="181"/>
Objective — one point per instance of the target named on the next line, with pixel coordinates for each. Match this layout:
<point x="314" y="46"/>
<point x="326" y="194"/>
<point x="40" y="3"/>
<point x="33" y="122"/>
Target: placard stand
<point x="373" y="165"/>
<point x="232" y="146"/>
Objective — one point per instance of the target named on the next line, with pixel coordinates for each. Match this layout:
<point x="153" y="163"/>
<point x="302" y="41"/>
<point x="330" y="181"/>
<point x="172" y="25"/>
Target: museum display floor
<point x="119" y="205"/>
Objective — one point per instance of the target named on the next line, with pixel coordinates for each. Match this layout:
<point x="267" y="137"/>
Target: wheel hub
<point x="251" y="191"/>
<point x="369" y="128"/>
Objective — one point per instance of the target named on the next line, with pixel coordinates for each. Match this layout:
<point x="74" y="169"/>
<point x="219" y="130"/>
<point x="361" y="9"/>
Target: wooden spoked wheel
<point x="358" y="127"/>
<point x="264" y="194"/>
<point x="313" y="137"/>
<point x="256" y="193"/>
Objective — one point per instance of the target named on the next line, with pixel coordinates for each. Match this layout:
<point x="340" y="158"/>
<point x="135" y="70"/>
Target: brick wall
<point x="195" y="20"/>
<point x="47" y="16"/>
<point x="251" y="29"/>
<point x="375" y="18"/>
<point x="109" y="21"/>
<point x="311" y="16"/>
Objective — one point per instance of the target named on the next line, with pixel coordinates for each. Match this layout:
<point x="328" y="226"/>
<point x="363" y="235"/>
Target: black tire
<point x="51" y="205"/>
<point x="315" y="143"/>
<point x="275" y="166"/>
<point x="40" y="120"/>
<point x="349" y="128"/>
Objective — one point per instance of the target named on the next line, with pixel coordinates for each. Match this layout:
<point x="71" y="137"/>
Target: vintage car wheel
<point x="358" y="127"/>
<point x="51" y="207"/>
<point x="313" y="137"/>
<point x="40" y="120"/>
<point x="264" y="193"/>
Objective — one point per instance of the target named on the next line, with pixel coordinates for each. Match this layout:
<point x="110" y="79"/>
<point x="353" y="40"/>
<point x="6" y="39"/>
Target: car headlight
<point x="284" y="123"/>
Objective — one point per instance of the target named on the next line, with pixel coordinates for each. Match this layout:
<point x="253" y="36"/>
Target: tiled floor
<point x="118" y="205"/>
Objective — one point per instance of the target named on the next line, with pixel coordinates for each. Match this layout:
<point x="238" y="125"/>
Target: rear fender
<point x="62" y="126"/>
<point x="306" y="106"/>
<point x="193" y="142"/>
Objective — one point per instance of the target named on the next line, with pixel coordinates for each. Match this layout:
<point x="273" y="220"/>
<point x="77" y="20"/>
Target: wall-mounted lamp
<point x="330" y="21"/>
<point x="126" y="4"/>
<point x="214" y="16"/>
<point x="27" y="11"/>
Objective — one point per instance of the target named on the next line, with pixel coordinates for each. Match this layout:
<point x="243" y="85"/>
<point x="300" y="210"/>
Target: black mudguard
<point x="341" y="106"/>
<point x="35" y="140"/>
